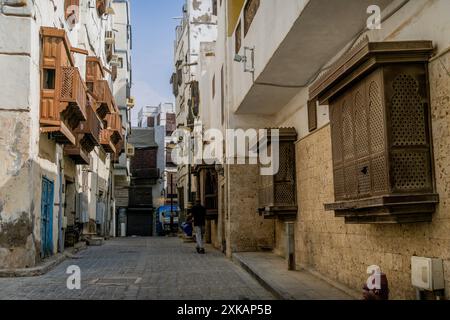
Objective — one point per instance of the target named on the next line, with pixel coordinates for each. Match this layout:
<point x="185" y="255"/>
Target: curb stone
<point x="43" y="268"/>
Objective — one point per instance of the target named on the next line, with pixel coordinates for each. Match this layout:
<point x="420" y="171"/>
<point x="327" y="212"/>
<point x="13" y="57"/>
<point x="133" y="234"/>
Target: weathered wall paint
<point x="27" y="156"/>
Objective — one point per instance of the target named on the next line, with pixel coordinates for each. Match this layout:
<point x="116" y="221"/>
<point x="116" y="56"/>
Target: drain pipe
<point x="60" y="211"/>
<point x="290" y="246"/>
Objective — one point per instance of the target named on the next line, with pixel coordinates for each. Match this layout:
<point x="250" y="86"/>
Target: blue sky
<point x="153" y="36"/>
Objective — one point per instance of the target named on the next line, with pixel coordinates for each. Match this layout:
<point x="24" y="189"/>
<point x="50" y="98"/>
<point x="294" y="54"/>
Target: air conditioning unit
<point x="130" y="102"/>
<point x="115" y="60"/>
<point x="110" y="11"/>
<point x="130" y="150"/>
<point x="110" y="37"/>
<point x="427" y="274"/>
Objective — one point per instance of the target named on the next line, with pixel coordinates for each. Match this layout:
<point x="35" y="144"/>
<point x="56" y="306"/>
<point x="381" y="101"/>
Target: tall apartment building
<point x="61" y="127"/>
<point x="145" y="188"/>
<point x="198" y="24"/>
<point x="122" y="73"/>
<point x="363" y="114"/>
<point x="162" y="119"/>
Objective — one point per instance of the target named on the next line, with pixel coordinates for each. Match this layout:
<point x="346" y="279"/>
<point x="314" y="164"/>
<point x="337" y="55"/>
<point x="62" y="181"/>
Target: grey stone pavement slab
<point x="272" y="272"/>
<point x="141" y="269"/>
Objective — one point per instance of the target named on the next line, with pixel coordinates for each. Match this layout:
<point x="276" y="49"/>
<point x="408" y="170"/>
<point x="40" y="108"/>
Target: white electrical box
<point x="427" y="274"/>
<point x="64" y="226"/>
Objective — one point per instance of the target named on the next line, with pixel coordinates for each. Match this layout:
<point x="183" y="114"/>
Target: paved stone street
<point x="141" y="268"/>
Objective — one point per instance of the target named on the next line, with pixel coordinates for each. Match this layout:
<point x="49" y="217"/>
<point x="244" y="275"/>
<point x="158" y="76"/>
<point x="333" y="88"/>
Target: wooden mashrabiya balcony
<point x="88" y="135"/>
<point x="104" y="98"/>
<point x="63" y="92"/>
<point x="112" y="136"/>
<point x="106" y="141"/>
<point x="99" y="87"/>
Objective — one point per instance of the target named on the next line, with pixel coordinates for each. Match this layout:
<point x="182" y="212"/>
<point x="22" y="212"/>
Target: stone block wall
<point x="343" y="252"/>
<point x="246" y="229"/>
<point x="280" y="238"/>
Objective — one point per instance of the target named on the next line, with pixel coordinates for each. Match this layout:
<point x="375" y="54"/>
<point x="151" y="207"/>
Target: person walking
<point x="199" y="215"/>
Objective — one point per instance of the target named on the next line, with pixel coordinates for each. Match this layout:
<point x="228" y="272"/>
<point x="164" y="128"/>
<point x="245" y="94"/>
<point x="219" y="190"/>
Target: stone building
<point x="60" y="126"/>
<point x="145" y="189"/>
<point x="363" y="113"/>
<point x="122" y="72"/>
<point x="198" y="24"/>
<point x="162" y="119"/>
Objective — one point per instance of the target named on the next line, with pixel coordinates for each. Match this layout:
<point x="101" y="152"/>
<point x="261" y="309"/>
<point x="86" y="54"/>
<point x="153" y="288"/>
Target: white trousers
<point x="199" y="231"/>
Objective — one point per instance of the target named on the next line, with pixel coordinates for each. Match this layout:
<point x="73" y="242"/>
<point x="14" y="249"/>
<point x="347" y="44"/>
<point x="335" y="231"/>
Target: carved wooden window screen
<point x="312" y="115"/>
<point x="238" y="38"/>
<point x="250" y="10"/>
<point x="380" y="133"/>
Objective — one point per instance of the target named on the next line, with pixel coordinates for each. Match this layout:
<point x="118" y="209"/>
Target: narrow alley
<point x="243" y="150"/>
<point x="141" y="269"/>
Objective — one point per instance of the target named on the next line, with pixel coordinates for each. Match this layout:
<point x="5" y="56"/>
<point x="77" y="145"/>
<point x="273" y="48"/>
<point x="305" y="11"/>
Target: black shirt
<point x="199" y="214"/>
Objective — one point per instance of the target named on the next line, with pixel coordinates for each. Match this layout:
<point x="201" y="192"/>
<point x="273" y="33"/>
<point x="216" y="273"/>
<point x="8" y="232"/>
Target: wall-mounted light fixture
<point x="249" y="56"/>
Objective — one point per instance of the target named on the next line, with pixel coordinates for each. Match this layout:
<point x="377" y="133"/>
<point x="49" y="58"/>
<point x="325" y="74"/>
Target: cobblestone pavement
<point x="142" y="269"/>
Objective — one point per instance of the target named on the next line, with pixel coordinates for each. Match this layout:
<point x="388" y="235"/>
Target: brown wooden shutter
<point x="312" y="115"/>
<point x="114" y="73"/>
<point x="67" y="4"/>
<point x="251" y="7"/>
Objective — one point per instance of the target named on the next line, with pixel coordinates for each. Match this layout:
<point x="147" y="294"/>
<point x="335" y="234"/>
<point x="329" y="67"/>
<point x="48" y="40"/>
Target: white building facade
<point x="198" y="24"/>
<point x="313" y="69"/>
<point x="122" y="93"/>
<point x="56" y="169"/>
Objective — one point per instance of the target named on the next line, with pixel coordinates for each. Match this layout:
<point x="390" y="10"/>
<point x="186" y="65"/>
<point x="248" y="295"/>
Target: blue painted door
<point x="47" y="218"/>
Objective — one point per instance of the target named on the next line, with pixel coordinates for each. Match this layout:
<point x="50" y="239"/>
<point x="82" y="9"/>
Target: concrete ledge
<point x="272" y="273"/>
<point x="95" y="241"/>
<point x="271" y="287"/>
<point x="351" y="292"/>
<point x="44" y="267"/>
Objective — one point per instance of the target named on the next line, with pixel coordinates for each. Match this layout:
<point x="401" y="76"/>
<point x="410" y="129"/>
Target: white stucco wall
<point x="27" y="155"/>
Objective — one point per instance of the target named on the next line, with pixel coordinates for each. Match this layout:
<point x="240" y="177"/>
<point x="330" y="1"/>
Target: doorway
<point x="47" y="204"/>
<point x="140" y="222"/>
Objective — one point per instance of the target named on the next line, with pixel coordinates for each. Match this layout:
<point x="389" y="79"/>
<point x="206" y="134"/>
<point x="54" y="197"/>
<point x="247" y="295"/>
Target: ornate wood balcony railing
<point x="119" y="150"/>
<point x="94" y="71"/>
<point x="106" y="142"/>
<point x="77" y="152"/>
<point x="114" y="122"/>
<point x="90" y="129"/>
<point x="104" y="98"/>
<point x="72" y="96"/>
<point x="87" y="135"/>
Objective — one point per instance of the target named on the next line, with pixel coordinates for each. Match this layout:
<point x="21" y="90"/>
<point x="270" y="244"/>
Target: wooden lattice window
<point x="381" y="133"/>
<point x="114" y="73"/>
<point x="214" y="7"/>
<point x="312" y="115"/>
<point x="277" y="193"/>
<point x="250" y="10"/>
<point x="238" y="38"/>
